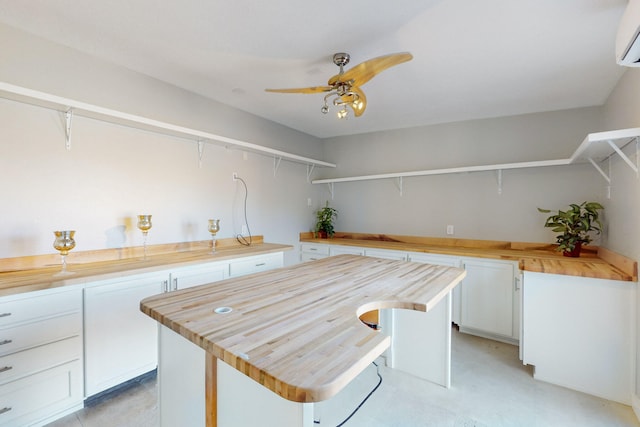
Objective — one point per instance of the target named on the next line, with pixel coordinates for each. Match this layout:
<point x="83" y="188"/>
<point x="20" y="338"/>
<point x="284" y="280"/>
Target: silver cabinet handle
<point x="313" y="249"/>
<point x="5" y="409"/>
<point x="517" y="283"/>
<point x="261" y="264"/>
<point x="5" y="314"/>
<point x="6" y="368"/>
<point x="5" y="342"/>
<point x="165" y="286"/>
<point x="175" y="283"/>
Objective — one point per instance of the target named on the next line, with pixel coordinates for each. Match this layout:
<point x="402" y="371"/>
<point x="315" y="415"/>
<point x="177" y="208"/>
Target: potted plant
<point x="324" y="221"/>
<point x="575" y="223"/>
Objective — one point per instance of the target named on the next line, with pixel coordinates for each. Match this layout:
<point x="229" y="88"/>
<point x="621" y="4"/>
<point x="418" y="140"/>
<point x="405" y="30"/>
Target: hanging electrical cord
<point x="239" y="237"/>
<point x="363" y="400"/>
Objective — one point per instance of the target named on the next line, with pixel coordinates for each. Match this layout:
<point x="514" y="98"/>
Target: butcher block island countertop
<point x="295" y="330"/>
<point x="594" y="262"/>
<point x="35" y="273"/>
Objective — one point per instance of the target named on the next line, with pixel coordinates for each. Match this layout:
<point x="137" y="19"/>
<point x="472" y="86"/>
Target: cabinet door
<point x="187" y="277"/>
<point x="487" y="297"/>
<point x="120" y="341"/>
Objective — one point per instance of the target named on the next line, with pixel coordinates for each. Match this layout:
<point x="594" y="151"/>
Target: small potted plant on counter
<point x="324" y="221"/>
<point x="574" y="224"/>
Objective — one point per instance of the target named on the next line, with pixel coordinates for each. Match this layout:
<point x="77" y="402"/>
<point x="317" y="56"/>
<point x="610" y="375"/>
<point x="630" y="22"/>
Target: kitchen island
<point x="293" y="334"/>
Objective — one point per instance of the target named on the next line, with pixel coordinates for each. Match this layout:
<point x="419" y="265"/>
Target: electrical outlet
<point x="235" y="176"/>
<point x="309" y="202"/>
<point x="450" y="230"/>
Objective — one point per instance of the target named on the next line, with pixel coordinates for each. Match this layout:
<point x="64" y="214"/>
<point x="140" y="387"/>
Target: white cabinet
<point x="255" y="264"/>
<point x="195" y="275"/>
<point x="579" y="332"/>
<point x="488" y="298"/>
<point x="313" y="251"/>
<point x="120" y="341"/>
<point x="40" y="356"/>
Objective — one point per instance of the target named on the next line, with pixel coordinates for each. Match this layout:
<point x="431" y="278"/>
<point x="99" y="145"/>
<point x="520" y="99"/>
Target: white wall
<point x="113" y="173"/>
<point x="471" y="201"/>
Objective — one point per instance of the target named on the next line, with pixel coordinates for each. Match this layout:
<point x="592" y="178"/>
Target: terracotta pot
<point x="575" y="253"/>
<point x="322" y="234"/>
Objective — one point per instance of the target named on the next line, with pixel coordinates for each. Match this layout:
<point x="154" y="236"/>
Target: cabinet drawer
<point x="37" y="397"/>
<point x="314" y="249"/>
<point x="37" y="333"/>
<point x="304" y="257"/>
<point x="27" y="362"/>
<point x="255" y="264"/>
<point x="30" y="308"/>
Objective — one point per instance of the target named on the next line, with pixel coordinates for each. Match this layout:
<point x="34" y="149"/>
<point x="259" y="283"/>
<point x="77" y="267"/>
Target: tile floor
<point x="490" y="387"/>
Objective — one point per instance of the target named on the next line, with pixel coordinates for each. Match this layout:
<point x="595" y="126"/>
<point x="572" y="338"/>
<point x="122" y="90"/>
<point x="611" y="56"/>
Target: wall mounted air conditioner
<point x="627" y="39"/>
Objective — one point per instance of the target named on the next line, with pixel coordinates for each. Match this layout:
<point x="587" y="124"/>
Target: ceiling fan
<point x="345" y="86"/>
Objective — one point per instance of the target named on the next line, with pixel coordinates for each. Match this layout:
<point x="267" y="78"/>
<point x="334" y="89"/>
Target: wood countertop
<point x="295" y="330"/>
<point x="594" y="262"/>
<point x="34" y="279"/>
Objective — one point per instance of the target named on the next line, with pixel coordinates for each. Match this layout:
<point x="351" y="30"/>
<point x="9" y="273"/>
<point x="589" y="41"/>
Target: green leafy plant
<point x="324" y="220"/>
<point x="574" y="224"/>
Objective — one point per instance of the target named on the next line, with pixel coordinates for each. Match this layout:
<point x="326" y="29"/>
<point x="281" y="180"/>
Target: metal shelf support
<point x="624" y="156"/>
<point x="68" y="115"/>
<point x="200" y="152"/>
<point x="400" y="185"/>
<point x="276" y="164"/>
<point x="309" y="172"/>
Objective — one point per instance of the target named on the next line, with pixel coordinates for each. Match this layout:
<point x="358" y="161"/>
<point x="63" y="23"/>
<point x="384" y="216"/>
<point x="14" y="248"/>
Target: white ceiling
<point x="472" y="58"/>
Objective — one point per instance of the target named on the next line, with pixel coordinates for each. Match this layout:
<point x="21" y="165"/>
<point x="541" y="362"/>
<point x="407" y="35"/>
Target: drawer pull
<point x="3" y="342"/>
<point x="261" y="264"/>
<point x="313" y="249"/>
<point x="6" y="368"/>
<point x="5" y="409"/>
<point x="5" y="314"/>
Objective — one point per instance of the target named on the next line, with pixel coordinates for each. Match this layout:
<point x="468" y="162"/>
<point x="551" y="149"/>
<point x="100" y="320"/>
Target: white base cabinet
<point x="120" y="341"/>
<point x="489" y="300"/>
<point x="40" y="356"/>
<point x="578" y="333"/>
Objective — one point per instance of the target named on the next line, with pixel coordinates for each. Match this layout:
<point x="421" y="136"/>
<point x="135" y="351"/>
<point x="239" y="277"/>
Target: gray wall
<point x="113" y="173"/>
<point x="622" y="110"/>
<point x="469" y="201"/>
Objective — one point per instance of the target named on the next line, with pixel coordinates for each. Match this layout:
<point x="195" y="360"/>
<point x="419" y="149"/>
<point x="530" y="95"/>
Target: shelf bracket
<point x="499" y="173"/>
<point x="276" y="164"/>
<point x="400" y="184"/>
<point x="624" y="156"/>
<point x="309" y="172"/>
<point x="68" y="115"/>
<point x="330" y="185"/>
<point x="200" y="152"/>
<point x="599" y="169"/>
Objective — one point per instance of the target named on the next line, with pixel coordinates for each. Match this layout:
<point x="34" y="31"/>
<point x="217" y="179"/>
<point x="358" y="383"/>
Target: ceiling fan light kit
<point x="344" y="87"/>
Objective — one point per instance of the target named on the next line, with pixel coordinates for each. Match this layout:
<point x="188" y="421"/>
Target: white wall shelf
<point x="594" y="149"/>
<point x="73" y="108"/>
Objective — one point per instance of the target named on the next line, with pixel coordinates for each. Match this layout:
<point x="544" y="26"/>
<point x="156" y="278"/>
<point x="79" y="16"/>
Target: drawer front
<point x="32" y="308"/>
<point x="314" y="249"/>
<point x="256" y="264"/>
<point x="40" y="396"/>
<point x="27" y="362"/>
<point x="311" y="257"/>
<point x="33" y="334"/>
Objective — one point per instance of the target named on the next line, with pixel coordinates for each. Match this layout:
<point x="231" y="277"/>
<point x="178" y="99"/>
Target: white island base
<point x="421" y="345"/>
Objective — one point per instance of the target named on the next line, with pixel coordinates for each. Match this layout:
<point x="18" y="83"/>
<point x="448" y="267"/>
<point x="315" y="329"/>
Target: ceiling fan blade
<point x="314" y="89"/>
<point x="365" y="71"/>
<point x="359" y="103"/>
